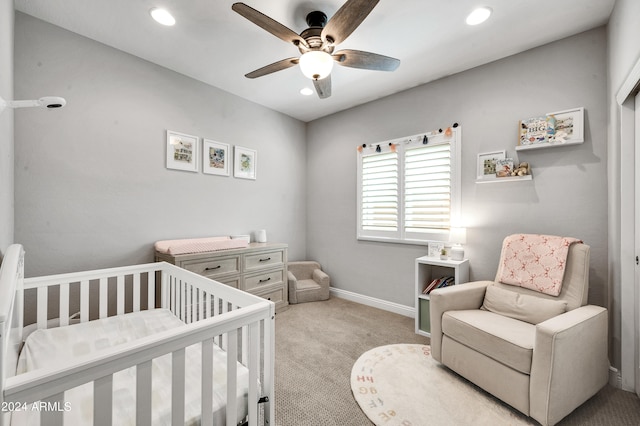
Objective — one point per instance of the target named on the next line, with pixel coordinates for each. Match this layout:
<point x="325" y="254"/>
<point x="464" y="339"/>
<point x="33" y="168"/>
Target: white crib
<point x="213" y="315"/>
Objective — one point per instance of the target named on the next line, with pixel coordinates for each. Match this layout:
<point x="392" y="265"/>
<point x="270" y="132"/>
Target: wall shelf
<point x="504" y="179"/>
<point x="545" y="145"/>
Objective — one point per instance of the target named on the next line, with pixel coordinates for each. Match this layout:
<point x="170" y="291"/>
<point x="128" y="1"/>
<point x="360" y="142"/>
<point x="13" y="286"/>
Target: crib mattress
<point x="44" y="348"/>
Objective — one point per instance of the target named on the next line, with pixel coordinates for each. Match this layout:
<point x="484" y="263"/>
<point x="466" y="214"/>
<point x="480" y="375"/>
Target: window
<point x="408" y="191"/>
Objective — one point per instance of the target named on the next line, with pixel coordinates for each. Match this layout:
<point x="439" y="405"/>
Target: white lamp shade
<point x="458" y="235"/>
<point x="316" y="64"/>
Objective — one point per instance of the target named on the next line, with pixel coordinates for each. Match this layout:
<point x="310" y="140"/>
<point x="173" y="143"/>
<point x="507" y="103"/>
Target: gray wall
<point x="567" y="196"/>
<point x="624" y="52"/>
<point x="91" y="185"/>
<point x="6" y="124"/>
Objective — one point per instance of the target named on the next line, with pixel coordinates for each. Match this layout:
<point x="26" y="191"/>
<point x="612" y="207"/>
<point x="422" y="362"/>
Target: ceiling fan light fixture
<point x="316" y="64"/>
<point x="478" y="16"/>
<point x="162" y="16"/>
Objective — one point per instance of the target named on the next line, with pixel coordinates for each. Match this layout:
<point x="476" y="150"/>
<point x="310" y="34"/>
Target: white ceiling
<point x="215" y="45"/>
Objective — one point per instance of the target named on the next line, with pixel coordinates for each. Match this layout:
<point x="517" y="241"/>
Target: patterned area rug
<point x="402" y="385"/>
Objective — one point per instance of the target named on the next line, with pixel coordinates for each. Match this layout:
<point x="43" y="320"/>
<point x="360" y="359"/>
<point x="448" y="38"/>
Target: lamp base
<point x="457" y="252"/>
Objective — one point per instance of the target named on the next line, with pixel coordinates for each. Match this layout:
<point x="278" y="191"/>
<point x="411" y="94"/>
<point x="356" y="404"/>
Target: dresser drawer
<point x="214" y="267"/>
<point x="263" y="260"/>
<point x="254" y="282"/>
<point x="275" y="295"/>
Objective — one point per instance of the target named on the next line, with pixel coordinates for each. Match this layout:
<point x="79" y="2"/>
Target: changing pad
<point x="199" y="245"/>
<point x="46" y="347"/>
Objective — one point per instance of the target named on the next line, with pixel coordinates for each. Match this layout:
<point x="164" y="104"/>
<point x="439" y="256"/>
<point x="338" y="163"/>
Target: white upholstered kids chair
<point x="544" y="355"/>
<point x="307" y="282"/>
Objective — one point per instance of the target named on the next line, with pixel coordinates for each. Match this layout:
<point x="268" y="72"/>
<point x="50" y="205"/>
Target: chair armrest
<point x="321" y="278"/>
<point x="293" y="284"/>
<point x="570" y="362"/>
<point x="453" y="298"/>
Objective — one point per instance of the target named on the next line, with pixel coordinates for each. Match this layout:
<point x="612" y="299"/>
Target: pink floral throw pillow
<point x="536" y="262"/>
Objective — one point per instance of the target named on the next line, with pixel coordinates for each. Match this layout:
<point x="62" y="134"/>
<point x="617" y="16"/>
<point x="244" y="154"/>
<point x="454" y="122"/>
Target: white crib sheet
<point x="46" y="347"/>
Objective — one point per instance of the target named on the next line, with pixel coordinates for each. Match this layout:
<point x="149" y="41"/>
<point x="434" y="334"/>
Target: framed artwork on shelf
<point x="182" y="151"/>
<point x="487" y="162"/>
<point x="215" y="158"/>
<point x="245" y="163"/>
<point x="434" y="249"/>
<point x="569" y="126"/>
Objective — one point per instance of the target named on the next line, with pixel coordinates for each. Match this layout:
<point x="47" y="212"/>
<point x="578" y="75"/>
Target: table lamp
<point x="457" y="236"/>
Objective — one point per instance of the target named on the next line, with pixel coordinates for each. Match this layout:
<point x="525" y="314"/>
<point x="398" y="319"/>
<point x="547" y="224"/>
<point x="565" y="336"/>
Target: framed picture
<point x="434" y="249"/>
<point x="569" y="126"/>
<point x="182" y="151"/>
<point x="487" y="164"/>
<point x="215" y="158"/>
<point x="245" y="163"/>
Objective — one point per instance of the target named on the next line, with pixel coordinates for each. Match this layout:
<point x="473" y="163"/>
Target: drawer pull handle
<point x="264" y="281"/>
<point x="213" y="269"/>
<point x="265" y="260"/>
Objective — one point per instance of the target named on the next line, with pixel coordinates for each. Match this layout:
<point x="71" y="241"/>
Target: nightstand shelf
<point x="428" y="269"/>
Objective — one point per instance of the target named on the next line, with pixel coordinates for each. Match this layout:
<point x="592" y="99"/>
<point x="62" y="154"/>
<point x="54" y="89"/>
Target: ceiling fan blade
<point x="365" y="60"/>
<point x="346" y="20"/>
<point x="276" y="66"/>
<point x="323" y="87"/>
<point x="268" y="24"/>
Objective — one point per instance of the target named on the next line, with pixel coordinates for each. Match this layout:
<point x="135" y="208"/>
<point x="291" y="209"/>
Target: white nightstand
<point x="428" y="269"/>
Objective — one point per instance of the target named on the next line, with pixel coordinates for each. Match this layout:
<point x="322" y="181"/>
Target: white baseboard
<point x="407" y="311"/>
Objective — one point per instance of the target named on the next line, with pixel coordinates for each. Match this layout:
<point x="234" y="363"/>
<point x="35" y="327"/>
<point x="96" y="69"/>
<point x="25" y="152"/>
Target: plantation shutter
<point x="380" y="192"/>
<point x="427" y="189"/>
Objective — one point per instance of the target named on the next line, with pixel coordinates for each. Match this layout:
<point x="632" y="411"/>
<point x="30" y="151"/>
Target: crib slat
<point x="136" y="292"/>
<point x="254" y="357"/>
<point x="207" y="382"/>
<point x="207" y="305"/>
<point x="42" y="307"/>
<point x="232" y="377"/>
<point x="177" y="387"/>
<point x="64" y="304"/>
<point x="151" y="290"/>
<point x="143" y="393"/>
<point x="200" y="304"/>
<point x="52" y="410"/>
<point x="120" y="293"/>
<point x="104" y="297"/>
<point x="103" y="401"/>
<point x="84" y="301"/>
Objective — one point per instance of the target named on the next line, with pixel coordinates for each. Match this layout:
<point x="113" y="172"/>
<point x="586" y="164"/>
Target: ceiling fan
<point x="316" y="43"/>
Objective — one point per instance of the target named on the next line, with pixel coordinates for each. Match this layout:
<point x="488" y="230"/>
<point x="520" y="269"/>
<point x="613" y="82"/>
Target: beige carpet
<point x="318" y="343"/>
<point x="398" y="385"/>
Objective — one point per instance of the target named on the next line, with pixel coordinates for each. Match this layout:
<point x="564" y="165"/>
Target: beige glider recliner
<point x="526" y="350"/>
<point x="307" y="282"/>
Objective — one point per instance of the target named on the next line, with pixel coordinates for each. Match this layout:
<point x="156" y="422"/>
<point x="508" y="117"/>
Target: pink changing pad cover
<point x="199" y="245"/>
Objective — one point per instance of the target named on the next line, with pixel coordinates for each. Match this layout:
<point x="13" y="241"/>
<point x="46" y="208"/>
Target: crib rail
<point x="49" y="384"/>
<point x="240" y="323"/>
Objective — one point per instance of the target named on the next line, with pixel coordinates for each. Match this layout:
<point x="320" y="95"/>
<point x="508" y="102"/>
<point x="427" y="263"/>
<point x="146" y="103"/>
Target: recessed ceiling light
<point x="478" y="16"/>
<point x="162" y="16"/>
<point x="306" y="91"/>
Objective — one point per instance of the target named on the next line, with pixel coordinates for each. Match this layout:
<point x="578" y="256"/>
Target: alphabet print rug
<point x="401" y="385"/>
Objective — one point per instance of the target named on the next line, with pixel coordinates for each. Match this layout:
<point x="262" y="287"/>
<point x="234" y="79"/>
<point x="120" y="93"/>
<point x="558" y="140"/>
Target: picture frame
<point x="182" y="151"/>
<point x="434" y="249"/>
<point x="486" y="168"/>
<point x="569" y="126"/>
<point x="216" y="158"/>
<point x="245" y="163"/>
